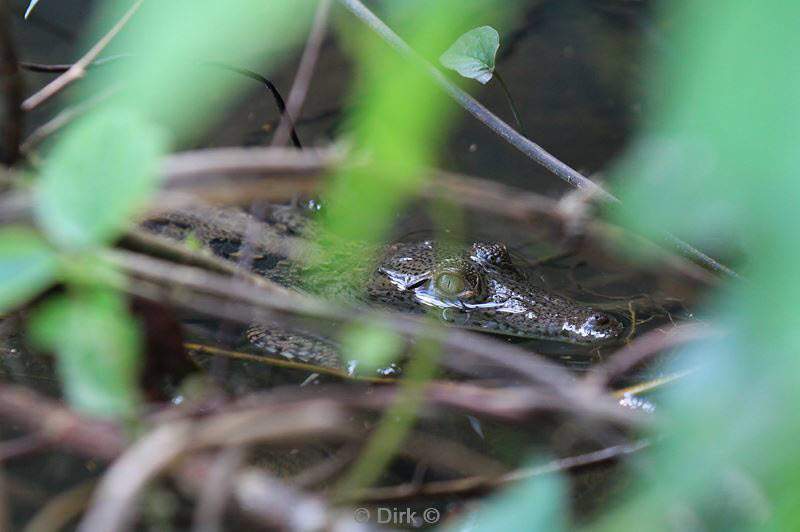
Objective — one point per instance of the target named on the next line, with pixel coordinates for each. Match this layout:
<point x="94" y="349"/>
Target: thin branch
<point x="22" y="445"/>
<point x="523" y="144"/>
<point x="63" y="118"/>
<point x="214" y="496"/>
<point x="276" y="95"/>
<point x="272" y="89"/>
<point x="77" y="70"/>
<point x="114" y="502"/>
<point x="195" y="164"/>
<point x="471" y="105"/>
<point x="61" y="509"/>
<point x="482" y="484"/>
<point x="643" y="348"/>
<point x="11" y="90"/>
<point x="510" y="100"/>
<point x="58" y="424"/>
<point x="305" y="71"/>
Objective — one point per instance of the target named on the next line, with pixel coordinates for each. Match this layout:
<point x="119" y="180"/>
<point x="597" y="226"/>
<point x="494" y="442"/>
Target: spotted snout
<point x="597" y="327"/>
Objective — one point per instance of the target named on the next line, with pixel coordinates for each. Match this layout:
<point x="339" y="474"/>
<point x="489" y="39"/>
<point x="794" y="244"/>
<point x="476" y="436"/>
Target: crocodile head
<point x="480" y="287"/>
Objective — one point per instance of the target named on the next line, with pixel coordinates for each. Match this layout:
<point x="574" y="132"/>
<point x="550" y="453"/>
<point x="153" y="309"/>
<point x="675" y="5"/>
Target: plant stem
<point x="510" y="102"/>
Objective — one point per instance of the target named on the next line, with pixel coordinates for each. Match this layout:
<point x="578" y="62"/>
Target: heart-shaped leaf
<point x="473" y="54"/>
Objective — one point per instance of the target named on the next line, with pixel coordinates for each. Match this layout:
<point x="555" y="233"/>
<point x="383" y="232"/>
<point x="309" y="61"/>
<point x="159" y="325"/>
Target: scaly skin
<point x="476" y="286"/>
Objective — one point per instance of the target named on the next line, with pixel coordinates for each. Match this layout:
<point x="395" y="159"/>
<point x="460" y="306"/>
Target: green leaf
<point x="97" y="346"/>
<point x="27" y="265"/>
<point x="97" y="176"/>
<point x="473" y="54"/>
<point x="174" y="85"/>
<point x="31" y="5"/>
<point x="535" y="504"/>
<point x="371" y="347"/>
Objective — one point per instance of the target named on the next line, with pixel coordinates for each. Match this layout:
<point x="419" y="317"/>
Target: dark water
<point x="574" y="68"/>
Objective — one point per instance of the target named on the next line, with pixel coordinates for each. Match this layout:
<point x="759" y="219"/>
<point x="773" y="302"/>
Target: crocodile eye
<point x="449" y="283"/>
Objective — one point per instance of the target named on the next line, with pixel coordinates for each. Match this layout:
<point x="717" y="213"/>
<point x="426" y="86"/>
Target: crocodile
<point x="476" y="286"/>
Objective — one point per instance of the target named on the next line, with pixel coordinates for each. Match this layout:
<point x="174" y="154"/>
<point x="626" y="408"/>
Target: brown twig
<point x="58" y="424"/>
<point x="471" y="105"/>
<point x="78" y="69"/>
<point x="11" y="90"/>
<point x="63" y="118"/>
<point x="61" y="509"/>
<point x="305" y="71"/>
<point x="283" y="507"/>
<point x="182" y="170"/>
<point x="482" y="484"/>
<point x="182" y="167"/>
<point x="641" y="349"/>
<point x="23" y="445"/>
<point x="217" y="490"/>
<point x="113" y="504"/>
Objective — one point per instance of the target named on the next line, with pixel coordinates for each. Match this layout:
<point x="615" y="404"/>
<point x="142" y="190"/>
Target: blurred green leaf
<point x="31" y="5"/>
<point x="536" y="503"/>
<point x="473" y="54"/>
<point x="97" y="346"/>
<point x="168" y="76"/>
<point x="396" y="125"/>
<point x="97" y="176"/>
<point x="717" y="164"/>
<point x="370" y="347"/>
<point x="28" y="265"/>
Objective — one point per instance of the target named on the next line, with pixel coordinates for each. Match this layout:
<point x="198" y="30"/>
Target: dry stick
<point x="641" y="349"/>
<point x="22" y="445"/>
<point x="190" y="165"/>
<point x="478" y="484"/>
<point x="61" y="509"/>
<point x="63" y="118"/>
<point x="214" y="496"/>
<point x="305" y="71"/>
<point x="526" y="146"/>
<point x="155" y="451"/>
<point x="11" y="87"/>
<point x="523" y="144"/>
<point x="77" y="70"/>
<point x="114" y="501"/>
<point x="58" y="424"/>
<point x="186" y="168"/>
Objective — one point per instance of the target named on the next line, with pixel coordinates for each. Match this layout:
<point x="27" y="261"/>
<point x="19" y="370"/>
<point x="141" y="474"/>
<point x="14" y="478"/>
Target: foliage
<point x="97" y="344"/>
<point x="28" y="265"/>
<point x="718" y="156"/>
<point x="103" y="169"/>
<point x="472" y="55"/>
<point x="114" y="155"/>
<point x="708" y="161"/>
<point x="536" y="503"/>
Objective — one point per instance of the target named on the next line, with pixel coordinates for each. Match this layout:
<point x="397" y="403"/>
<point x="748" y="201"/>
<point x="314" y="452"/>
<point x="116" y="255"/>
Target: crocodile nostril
<point x="600" y="319"/>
